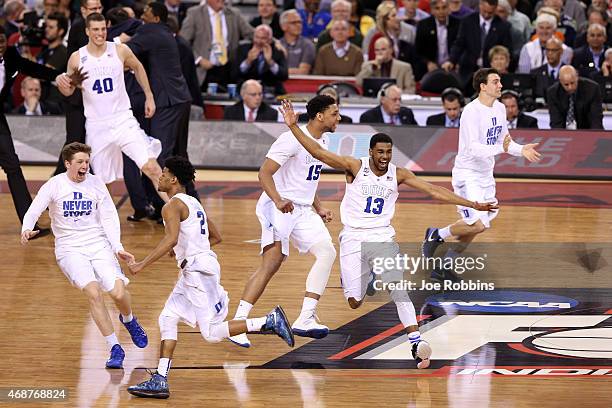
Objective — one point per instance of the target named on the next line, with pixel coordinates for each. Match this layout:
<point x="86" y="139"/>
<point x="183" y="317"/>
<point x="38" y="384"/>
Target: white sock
<point x="244" y="308"/>
<point x="111" y="340"/>
<point x="445" y="232"/>
<point x="127" y="318"/>
<point x="255" y="325"/>
<point x="308" y="307"/>
<point x="414" y="337"/>
<point x="164" y="366"/>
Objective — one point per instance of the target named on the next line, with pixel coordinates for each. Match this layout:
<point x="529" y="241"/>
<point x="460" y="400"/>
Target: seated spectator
<point x="452" y="103"/>
<point x="361" y="21"/>
<point x="13" y="13"/>
<point x="267" y="14"/>
<point x="340" y="57"/>
<point x="567" y="26"/>
<point x="522" y="28"/>
<point x="32" y="105"/>
<point x="606" y="67"/>
<point x="548" y="73"/>
<point x="300" y="51"/>
<point x="504" y="11"/>
<point x="410" y="13"/>
<point x="314" y="20"/>
<point x="388" y="25"/>
<point x="590" y="57"/>
<point x="436" y="34"/>
<point x="458" y="9"/>
<point x="341" y="10"/>
<point x="390" y="109"/>
<point x="385" y="66"/>
<point x="251" y="108"/>
<point x="599" y="17"/>
<point x="516" y="119"/>
<point x="533" y="54"/>
<point x="262" y="60"/>
<point x="499" y="56"/>
<point x="574" y="103"/>
<point x="329" y="90"/>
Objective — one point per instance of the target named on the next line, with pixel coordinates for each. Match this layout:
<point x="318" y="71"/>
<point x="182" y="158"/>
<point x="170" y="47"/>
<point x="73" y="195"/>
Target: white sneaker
<point x="309" y="327"/>
<point x="421" y="352"/>
<point x="241" y="340"/>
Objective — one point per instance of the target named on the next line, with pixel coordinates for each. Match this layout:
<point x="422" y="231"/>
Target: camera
<point x="33" y="29"/>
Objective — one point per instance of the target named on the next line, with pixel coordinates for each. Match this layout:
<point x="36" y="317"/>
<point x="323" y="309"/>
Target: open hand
<point x="530" y="153"/>
<point x="286" y="109"/>
<point x="77" y="77"/>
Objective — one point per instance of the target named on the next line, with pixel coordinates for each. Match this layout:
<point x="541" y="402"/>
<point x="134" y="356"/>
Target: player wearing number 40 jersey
<point x="111" y="127"/>
<point x="366" y="212"/>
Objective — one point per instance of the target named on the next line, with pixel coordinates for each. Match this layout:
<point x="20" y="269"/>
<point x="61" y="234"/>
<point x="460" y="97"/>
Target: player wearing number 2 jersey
<point x="366" y="212"/>
<point x="110" y="124"/>
<point x="289" y="177"/>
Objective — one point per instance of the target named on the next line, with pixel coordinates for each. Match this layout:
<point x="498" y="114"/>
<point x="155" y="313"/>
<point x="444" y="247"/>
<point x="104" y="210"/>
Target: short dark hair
<point x="481" y="76"/>
<point x="380" y="138"/>
<point x="117" y="15"/>
<point x="318" y="104"/>
<point x="181" y="168"/>
<point x="62" y="21"/>
<point x="509" y="93"/>
<point x="490" y="2"/>
<point x="159" y="10"/>
<point x="94" y="17"/>
<point x="73" y="148"/>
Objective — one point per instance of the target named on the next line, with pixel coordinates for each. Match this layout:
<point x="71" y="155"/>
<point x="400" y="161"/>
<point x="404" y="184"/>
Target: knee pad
<point x="214" y="333"/>
<point x="318" y="276"/>
<point x="168" y="327"/>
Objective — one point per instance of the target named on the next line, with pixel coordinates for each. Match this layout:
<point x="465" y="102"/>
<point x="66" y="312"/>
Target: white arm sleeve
<point x="110" y="220"/>
<point x="39" y="204"/>
<point x="515" y="149"/>
<point x="285" y="147"/>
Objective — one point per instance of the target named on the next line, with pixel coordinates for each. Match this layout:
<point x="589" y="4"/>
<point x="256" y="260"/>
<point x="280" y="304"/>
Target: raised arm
<point x="130" y="61"/>
<point x="345" y="163"/>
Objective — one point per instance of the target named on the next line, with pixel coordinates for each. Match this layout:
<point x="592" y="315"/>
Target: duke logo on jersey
<point x="493" y="132"/>
<point x="77" y="207"/>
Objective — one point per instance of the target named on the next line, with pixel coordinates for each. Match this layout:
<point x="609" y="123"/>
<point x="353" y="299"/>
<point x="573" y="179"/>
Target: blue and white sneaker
<point x="309" y="326"/>
<point x="421" y="352"/>
<point x="276" y="322"/>
<point x="116" y="357"/>
<point x="155" y="387"/>
<point x="431" y="242"/>
<point x="370" y="289"/>
<point x="240" y="340"/>
<point x="139" y="336"/>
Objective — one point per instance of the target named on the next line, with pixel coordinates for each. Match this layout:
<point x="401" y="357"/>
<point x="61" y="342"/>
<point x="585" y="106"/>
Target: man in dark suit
<point x="73" y="106"/>
<point x="177" y="9"/>
<point x="516" y="119"/>
<point x="251" y="108"/>
<point x="478" y="33"/>
<point x="267" y="14"/>
<point x="261" y="60"/>
<point x="589" y="58"/>
<point x="547" y="74"/>
<point x="390" y="110"/>
<point x="452" y="102"/>
<point x="13" y="64"/>
<point x="440" y="25"/>
<point x="31" y="91"/>
<point x="574" y="102"/>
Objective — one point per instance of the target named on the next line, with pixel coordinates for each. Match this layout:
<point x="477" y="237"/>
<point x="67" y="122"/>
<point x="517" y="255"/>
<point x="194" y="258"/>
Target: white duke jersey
<point x="104" y="93"/>
<point x="82" y="214"/>
<point x="369" y="201"/>
<point x="297" y="178"/>
<point x="193" y="232"/>
<point x="481" y="135"/>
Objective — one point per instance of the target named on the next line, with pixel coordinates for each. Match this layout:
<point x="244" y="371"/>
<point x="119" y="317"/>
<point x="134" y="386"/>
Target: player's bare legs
<point x="152" y="170"/>
<point x="271" y="260"/>
<point x="97" y="308"/>
<point x="122" y="298"/>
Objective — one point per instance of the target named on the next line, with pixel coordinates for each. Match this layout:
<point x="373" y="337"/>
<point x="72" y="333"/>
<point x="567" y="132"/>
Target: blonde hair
<point x="383" y="11"/>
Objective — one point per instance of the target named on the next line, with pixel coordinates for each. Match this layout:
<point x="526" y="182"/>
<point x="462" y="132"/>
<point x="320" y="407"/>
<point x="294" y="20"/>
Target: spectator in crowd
<point x="339" y="57"/>
<point x="361" y="21"/>
<point x="522" y="25"/>
<point x="548" y="73"/>
<point x="215" y="48"/>
<point x="436" y="34"/>
<point x="388" y="25"/>
<point x="458" y="9"/>
<point x="385" y="66"/>
<point x="189" y="71"/>
<point x="55" y="54"/>
<point x="596" y="16"/>
<point x="261" y="59"/>
<point x="314" y="21"/>
<point x="300" y="50"/>
<point x="533" y="54"/>
<point x="606" y="67"/>
<point x="341" y="10"/>
<point x="499" y="56"/>
<point x="52" y="6"/>
<point x="32" y="105"/>
<point x="590" y="57"/>
<point x="571" y="14"/>
<point x="329" y="90"/>
<point x="503" y="11"/>
<point x="574" y="102"/>
<point x="267" y="14"/>
<point x="478" y="33"/>
<point x="452" y="103"/>
<point x="251" y="108"/>
<point x="390" y="109"/>
<point x="566" y="25"/>
<point x="410" y="13"/>
<point x="516" y="119"/>
<point x="176" y="9"/>
<point x="13" y="12"/>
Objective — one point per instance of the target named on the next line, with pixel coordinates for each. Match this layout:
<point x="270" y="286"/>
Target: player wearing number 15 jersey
<point x="366" y="212"/>
<point x="111" y="127"/>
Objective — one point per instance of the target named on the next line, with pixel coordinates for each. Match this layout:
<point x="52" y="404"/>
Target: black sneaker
<point x="431" y="242"/>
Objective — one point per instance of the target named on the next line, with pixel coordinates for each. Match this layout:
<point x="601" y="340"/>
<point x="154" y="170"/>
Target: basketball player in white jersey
<point x="87" y="241"/>
<point x="289" y="177"/>
<point x="483" y="134"/>
<point x="366" y="211"/>
<point x="198" y="297"/>
<point x="111" y="127"/>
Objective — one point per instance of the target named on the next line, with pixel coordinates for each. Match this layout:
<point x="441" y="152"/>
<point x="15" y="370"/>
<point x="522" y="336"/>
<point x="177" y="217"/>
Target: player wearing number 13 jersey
<point x="111" y="127"/>
<point x="366" y="212"/>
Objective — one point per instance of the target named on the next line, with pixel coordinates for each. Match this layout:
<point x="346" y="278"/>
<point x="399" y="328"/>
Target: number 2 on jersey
<point x="202" y="222"/>
<point x="376" y="208"/>
<point x="106" y="85"/>
<point x="314" y="172"/>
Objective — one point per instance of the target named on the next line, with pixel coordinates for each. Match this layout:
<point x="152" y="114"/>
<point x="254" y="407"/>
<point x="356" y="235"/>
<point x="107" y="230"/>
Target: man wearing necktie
<point x="390" y="110"/>
<point x="452" y="103"/>
<point x="547" y="74"/>
<point x="251" y="108"/>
